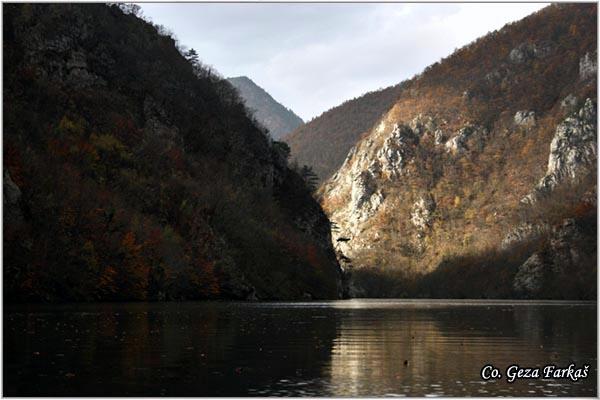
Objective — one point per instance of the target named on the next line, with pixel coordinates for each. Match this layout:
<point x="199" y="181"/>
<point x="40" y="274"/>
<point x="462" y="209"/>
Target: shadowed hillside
<point x="131" y="173"/>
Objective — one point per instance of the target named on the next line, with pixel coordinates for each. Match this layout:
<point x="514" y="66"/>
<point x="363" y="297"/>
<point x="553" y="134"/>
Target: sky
<point x="313" y="56"/>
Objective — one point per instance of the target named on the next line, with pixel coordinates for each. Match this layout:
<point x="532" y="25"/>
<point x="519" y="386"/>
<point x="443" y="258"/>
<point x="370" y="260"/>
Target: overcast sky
<point x="313" y="56"/>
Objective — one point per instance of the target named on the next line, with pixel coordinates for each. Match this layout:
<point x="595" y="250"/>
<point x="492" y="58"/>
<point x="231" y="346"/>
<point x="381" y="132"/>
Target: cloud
<point x="314" y="56"/>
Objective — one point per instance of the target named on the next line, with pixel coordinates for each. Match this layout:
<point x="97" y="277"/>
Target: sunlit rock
<point x="397" y="149"/>
<point x="572" y="150"/>
<point x="588" y="66"/>
<point x="422" y="213"/>
<point x="525" y="118"/>
<point x="569" y="102"/>
<point x="458" y="143"/>
<point x="523" y="233"/>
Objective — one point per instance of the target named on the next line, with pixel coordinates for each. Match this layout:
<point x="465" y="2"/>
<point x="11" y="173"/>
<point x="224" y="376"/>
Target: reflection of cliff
<point x="374" y="351"/>
<point x="539" y="325"/>
<point x="280" y="349"/>
<point x="174" y="349"/>
<point x="445" y="348"/>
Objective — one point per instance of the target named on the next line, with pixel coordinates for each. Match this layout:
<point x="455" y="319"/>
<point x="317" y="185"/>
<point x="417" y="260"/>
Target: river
<point x="334" y="348"/>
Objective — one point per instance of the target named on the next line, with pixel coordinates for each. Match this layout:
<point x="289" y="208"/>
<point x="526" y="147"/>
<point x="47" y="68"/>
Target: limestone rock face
<point x="562" y="257"/>
<point x="572" y="150"/>
<point x="422" y="125"/>
<point x="523" y="232"/>
<point x="588" y="66"/>
<point x="529" y="277"/>
<point x="365" y="198"/>
<point x="459" y="143"/>
<point x="79" y="74"/>
<point x="525" y="118"/>
<point x="527" y="51"/>
<point x="566" y="253"/>
<point x="569" y="102"/>
<point x="422" y="214"/>
<point x="439" y="137"/>
<point x="61" y="58"/>
<point x="397" y="149"/>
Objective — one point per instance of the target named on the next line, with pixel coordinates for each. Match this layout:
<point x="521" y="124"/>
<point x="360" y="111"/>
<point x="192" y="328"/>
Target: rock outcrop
<point x="525" y="118"/>
<point x="529" y="278"/>
<point x="547" y="268"/>
<point x="422" y="213"/>
<point x="527" y="51"/>
<point x="397" y="149"/>
<point x="588" y="66"/>
<point x="572" y="150"/>
<point x="569" y="102"/>
<point x="470" y="133"/>
<point x="523" y="233"/>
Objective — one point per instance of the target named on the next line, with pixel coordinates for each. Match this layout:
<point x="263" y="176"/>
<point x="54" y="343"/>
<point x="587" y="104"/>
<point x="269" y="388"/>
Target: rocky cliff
<point x="278" y="119"/>
<point x="323" y="142"/>
<point x="132" y="174"/>
<point x="480" y="180"/>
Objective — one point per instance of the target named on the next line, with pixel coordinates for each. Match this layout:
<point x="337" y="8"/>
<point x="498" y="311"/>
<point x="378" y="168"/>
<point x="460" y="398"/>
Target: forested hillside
<point x="480" y="181"/>
<point x="278" y="119"/>
<point x="131" y="173"/>
<point x="324" y="142"/>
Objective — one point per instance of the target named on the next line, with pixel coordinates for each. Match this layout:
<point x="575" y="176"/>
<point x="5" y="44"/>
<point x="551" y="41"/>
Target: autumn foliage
<point x="143" y="178"/>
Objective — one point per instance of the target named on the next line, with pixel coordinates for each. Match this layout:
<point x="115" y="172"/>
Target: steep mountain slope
<point x="480" y="180"/>
<point x="278" y="119"/>
<point x="324" y="142"/>
<point x="130" y="173"/>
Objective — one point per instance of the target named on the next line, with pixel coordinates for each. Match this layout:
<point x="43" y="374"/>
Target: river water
<point x="336" y="348"/>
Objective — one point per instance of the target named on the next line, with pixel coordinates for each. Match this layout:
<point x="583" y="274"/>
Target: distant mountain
<point x="278" y="119"/>
<point x="324" y="142"/>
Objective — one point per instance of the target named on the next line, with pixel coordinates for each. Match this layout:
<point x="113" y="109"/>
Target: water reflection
<point x="440" y="349"/>
<point x="356" y="348"/>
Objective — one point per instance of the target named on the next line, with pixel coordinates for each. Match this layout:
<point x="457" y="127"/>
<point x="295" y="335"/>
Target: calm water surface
<point x="338" y="348"/>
